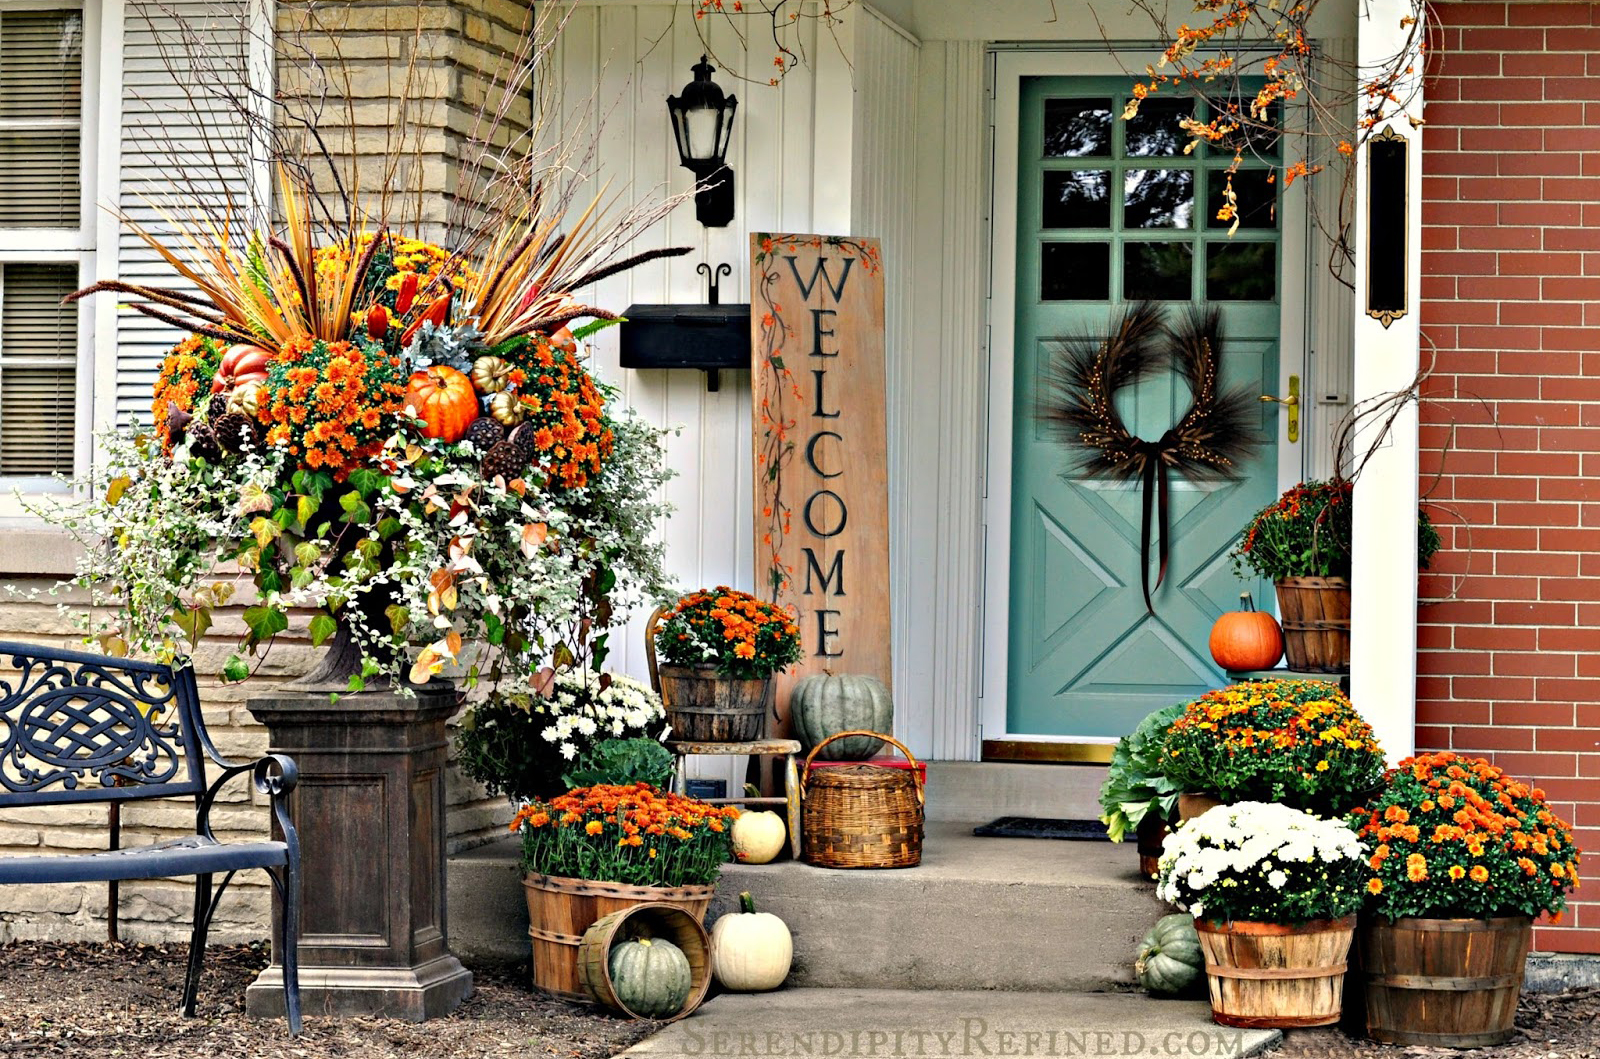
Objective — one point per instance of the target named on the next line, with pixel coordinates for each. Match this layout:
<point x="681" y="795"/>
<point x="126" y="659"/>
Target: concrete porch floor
<point x="977" y="914"/>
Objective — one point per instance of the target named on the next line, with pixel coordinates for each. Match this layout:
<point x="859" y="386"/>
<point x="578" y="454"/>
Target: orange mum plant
<point x="744" y="637"/>
<point x="1454" y="836"/>
<point x="626" y="834"/>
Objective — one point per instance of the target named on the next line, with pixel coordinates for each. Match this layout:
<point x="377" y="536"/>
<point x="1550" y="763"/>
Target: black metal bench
<point x="78" y="728"/>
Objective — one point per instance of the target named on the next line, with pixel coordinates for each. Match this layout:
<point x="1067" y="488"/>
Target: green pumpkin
<point x="825" y="704"/>
<point x="651" y="977"/>
<point x="1170" y="962"/>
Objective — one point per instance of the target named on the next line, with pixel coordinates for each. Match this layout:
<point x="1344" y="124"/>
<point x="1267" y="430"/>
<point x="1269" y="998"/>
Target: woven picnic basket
<point x="862" y="815"/>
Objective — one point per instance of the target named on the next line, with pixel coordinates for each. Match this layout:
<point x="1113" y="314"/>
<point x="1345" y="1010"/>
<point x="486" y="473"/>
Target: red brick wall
<point x="1509" y="627"/>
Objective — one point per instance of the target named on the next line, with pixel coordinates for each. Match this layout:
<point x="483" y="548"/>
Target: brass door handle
<point x="1291" y="404"/>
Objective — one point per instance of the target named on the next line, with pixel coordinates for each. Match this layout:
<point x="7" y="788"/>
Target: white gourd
<point x="750" y="951"/>
<point x="758" y="837"/>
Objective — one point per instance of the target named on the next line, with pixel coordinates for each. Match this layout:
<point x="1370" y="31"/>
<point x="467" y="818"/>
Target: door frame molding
<point x="1007" y="68"/>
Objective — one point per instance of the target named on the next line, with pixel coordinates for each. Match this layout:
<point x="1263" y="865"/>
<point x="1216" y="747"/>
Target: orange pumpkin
<point x="1246" y="639"/>
<point x="241" y="364"/>
<point x="444" y="397"/>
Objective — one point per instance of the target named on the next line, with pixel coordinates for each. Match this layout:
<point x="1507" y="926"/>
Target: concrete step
<point x="881" y="1022"/>
<point x="978" y="913"/>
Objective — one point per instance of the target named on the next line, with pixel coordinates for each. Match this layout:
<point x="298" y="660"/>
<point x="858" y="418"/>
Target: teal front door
<point x="1111" y="212"/>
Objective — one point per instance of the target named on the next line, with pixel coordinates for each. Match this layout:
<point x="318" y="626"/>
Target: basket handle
<point x="916" y="774"/>
<point x="650" y="647"/>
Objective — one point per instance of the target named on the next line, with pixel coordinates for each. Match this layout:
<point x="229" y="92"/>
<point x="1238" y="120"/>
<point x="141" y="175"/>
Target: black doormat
<point x="1041" y="827"/>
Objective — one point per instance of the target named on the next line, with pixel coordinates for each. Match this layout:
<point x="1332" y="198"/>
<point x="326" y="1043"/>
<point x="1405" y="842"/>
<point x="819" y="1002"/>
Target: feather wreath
<point x="1207" y="443"/>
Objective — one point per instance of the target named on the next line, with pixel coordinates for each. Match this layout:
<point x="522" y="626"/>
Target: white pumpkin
<point x="758" y="837"/>
<point x="750" y="951"/>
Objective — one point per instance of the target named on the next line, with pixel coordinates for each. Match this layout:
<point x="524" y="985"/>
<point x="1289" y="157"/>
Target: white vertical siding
<point x="883" y="196"/>
<point x="1331" y="305"/>
<point x="170" y="140"/>
<point x="952" y="218"/>
<point x="616" y="64"/>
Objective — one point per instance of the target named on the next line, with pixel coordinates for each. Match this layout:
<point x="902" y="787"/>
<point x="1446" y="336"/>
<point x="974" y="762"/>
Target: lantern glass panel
<point x="701" y="126"/>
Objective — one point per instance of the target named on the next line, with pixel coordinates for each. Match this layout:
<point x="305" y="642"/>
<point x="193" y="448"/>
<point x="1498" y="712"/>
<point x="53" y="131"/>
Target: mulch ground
<point x="94" y="1001"/>
<point x="1549" y="1026"/>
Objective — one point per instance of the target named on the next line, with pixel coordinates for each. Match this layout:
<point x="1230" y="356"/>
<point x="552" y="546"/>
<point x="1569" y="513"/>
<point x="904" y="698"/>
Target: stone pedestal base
<point x="371" y="815"/>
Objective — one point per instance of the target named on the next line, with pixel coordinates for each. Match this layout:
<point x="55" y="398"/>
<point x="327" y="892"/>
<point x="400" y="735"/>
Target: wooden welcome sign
<point x="821" y="449"/>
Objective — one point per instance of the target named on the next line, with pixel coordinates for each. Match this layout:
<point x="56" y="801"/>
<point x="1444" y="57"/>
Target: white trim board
<point x="1010" y="66"/>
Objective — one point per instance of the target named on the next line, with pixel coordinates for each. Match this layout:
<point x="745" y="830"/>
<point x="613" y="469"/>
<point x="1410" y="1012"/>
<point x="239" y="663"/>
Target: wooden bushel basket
<point x="1444" y="983"/>
<point x="1315" y="615"/>
<point x="1265" y="975"/>
<point x="705" y="707"/>
<point x="657" y="920"/>
<point x="560" y="910"/>
<point x="702" y="705"/>
<point x="862" y="816"/>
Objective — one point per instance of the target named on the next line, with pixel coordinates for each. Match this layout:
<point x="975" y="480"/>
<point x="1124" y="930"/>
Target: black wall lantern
<point x="702" y="121"/>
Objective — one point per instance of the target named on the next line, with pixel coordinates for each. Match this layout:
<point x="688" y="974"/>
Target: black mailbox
<point x="708" y="337"/>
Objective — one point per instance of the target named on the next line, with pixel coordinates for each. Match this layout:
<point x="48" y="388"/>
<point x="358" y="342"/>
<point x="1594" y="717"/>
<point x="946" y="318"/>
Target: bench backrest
<point x="79" y="727"/>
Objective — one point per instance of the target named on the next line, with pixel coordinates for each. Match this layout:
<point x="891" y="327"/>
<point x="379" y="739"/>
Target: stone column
<point x="370" y="812"/>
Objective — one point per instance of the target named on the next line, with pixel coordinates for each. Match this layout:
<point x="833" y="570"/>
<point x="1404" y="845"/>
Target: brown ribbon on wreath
<point x="1207" y="443"/>
<point x="1154" y="474"/>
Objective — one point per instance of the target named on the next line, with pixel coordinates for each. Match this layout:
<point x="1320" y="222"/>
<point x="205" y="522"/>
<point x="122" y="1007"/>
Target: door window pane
<point x="1077" y="198"/>
<point x="1255" y="197"/>
<point x="1158" y="198"/>
<point x="1075" y="272"/>
<point x="1238" y="271"/>
<point x="1157" y="271"/>
<point x="1154" y="131"/>
<point x="1077" y="128"/>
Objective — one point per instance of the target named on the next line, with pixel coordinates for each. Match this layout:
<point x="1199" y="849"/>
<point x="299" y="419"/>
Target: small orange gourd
<point x="444" y="397"/>
<point x="1246" y="638"/>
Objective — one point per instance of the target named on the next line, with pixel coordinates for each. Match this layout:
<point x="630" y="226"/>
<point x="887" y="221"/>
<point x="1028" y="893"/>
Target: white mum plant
<point x="1263" y="862"/>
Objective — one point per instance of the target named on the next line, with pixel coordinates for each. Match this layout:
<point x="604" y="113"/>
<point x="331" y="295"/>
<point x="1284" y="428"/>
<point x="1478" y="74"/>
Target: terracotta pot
<point x="1444" y="983"/>
<point x="1152" y="829"/>
<point x="1264" y="975"/>
<point x="560" y="910"/>
<point x="1193" y="805"/>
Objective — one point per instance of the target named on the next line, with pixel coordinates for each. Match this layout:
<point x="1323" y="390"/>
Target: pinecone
<point x="234" y="431"/>
<point x="522" y="437"/>
<point x="217" y="407"/>
<point x="484" y="433"/>
<point x="203" y="442"/>
<point x="504" y="460"/>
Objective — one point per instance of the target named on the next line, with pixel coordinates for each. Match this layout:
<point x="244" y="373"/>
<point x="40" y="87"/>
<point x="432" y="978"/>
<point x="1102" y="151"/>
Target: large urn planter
<point x="370" y="810"/>
<point x="1443" y="983"/>
<point x="1267" y="975"/>
<point x="1315" y="615"/>
<point x="705" y="707"/>
<point x="561" y="910"/>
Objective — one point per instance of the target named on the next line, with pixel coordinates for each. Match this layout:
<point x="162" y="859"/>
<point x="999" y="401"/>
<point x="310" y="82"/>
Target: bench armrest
<point x="274" y="775"/>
